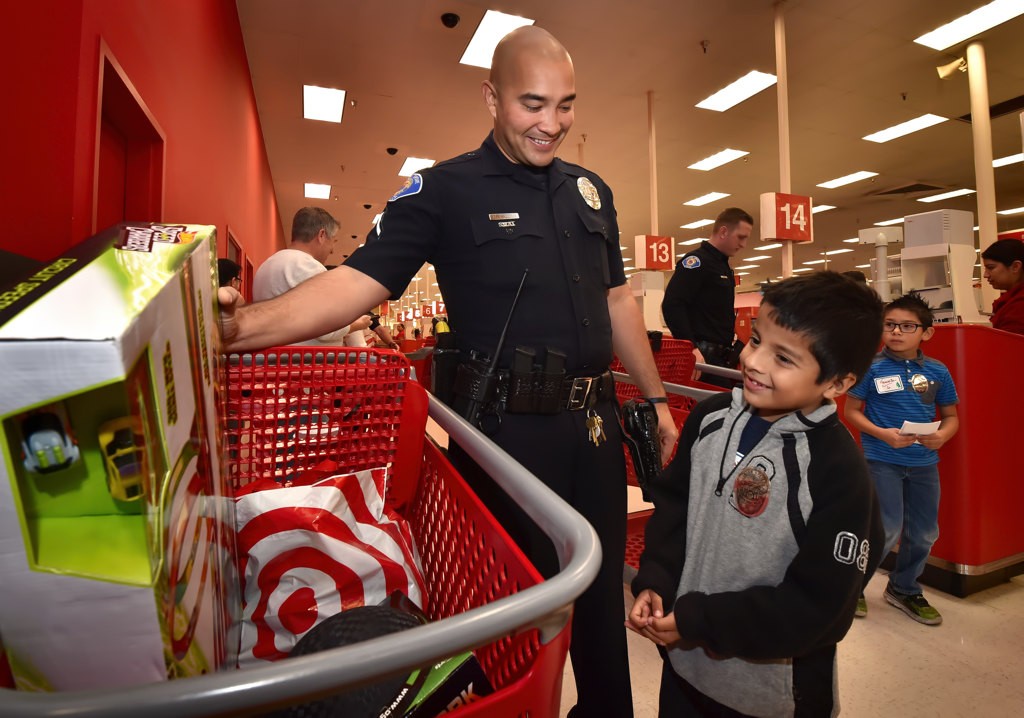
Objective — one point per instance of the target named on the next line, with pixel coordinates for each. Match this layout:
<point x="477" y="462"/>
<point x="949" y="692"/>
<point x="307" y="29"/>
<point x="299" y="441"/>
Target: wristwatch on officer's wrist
<point x="657" y="399"/>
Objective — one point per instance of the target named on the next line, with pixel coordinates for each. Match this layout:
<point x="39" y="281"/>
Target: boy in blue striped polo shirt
<point x="905" y="385"/>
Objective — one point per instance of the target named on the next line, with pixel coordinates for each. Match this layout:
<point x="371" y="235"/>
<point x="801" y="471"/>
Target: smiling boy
<point x="905" y="385"/>
<point x="766" y="527"/>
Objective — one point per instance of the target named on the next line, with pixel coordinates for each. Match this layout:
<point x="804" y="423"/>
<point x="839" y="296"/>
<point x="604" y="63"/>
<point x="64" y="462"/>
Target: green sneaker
<point x="862" y="607"/>
<point x="917" y="607"/>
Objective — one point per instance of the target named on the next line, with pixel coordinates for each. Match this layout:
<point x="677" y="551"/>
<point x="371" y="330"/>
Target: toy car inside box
<point x="115" y="530"/>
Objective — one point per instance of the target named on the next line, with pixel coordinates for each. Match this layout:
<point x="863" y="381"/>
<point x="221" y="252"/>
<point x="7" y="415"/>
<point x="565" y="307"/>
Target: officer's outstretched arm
<point x="317" y="306"/>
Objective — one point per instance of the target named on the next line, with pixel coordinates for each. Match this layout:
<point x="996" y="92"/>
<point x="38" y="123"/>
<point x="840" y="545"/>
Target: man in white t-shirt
<point x="313" y="234"/>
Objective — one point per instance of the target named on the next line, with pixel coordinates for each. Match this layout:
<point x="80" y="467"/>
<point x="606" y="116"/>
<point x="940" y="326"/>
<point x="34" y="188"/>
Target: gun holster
<point x="640" y="432"/>
<point x="474" y="389"/>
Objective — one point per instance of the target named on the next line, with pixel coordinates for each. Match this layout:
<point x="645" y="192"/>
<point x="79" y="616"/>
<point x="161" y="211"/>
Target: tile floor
<point x="889" y="665"/>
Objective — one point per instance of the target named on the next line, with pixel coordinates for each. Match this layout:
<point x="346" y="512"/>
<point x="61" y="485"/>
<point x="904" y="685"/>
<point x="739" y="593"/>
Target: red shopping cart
<point x="283" y="411"/>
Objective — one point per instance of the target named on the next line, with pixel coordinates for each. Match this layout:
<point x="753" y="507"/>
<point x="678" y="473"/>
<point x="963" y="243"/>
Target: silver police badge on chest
<point x="589" y="193"/>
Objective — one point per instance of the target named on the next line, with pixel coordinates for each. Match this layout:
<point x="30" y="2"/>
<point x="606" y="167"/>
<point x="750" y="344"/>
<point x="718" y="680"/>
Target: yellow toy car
<point x="122" y="445"/>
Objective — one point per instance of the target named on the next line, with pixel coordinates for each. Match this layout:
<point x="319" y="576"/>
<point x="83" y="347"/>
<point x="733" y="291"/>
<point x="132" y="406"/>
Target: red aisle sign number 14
<point x="786" y="216"/>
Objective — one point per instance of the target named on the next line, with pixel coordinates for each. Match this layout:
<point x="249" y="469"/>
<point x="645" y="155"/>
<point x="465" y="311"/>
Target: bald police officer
<point x="483" y="219"/>
<point x="699" y="299"/>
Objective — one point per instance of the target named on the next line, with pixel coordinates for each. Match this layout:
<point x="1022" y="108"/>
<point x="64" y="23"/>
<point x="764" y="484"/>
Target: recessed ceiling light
<point x="718" y="159"/>
<point x="905" y="128"/>
<point x="764" y="247"/>
<point x="847" y="179"/>
<point x="821" y="208"/>
<point x="969" y="25"/>
<point x="493" y="26"/>
<point x="696" y="225"/>
<point x="852" y="240"/>
<point x="412" y="165"/>
<point x="698" y="240"/>
<point x="1016" y="210"/>
<point x="742" y="274"/>
<point x="1008" y="160"/>
<point x="803" y="269"/>
<point x="749" y="266"/>
<point x="318" y="191"/>
<point x="706" y="199"/>
<point x="735" y="93"/>
<point x="946" y="195"/>
<point x="760" y="256"/>
<point x="839" y="251"/>
<point x="863" y="266"/>
<point x="815" y="261"/>
<point x="886" y="223"/>
<point x="322" y="103"/>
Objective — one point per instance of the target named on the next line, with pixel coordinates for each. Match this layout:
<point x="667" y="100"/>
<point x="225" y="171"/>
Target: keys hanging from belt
<point x="595" y="427"/>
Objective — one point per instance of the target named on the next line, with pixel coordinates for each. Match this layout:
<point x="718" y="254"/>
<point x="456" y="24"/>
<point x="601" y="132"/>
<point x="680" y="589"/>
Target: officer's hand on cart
<point x="698" y="358"/>
<point x="230" y="300"/>
<point x="667" y="432"/>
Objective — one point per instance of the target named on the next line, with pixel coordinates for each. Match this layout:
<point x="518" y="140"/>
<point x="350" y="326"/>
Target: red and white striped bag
<point x="311" y="551"/>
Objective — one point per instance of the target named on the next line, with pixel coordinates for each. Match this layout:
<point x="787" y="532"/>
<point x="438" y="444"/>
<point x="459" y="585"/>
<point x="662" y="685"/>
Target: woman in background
<point x="1004" y="269"/>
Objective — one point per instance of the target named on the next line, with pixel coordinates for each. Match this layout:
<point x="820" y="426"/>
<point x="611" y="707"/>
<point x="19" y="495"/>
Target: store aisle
<point x="972" y="665"/>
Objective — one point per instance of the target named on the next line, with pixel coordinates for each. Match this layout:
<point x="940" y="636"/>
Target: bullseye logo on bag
<point x="309" y="552"/>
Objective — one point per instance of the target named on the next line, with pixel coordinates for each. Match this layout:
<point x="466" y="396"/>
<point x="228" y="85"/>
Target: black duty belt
<point x="576" y="393"/>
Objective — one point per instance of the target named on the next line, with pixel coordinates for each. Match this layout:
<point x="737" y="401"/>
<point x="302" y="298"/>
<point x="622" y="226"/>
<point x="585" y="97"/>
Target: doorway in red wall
<point x="129" y="153"/>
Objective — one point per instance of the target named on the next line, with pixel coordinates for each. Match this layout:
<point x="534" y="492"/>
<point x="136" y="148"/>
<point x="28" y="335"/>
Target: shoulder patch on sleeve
<point x="691" y="262"/>
<point x="412" y="186"/>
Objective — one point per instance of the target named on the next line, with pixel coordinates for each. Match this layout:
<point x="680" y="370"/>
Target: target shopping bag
<point x="311" y="551"/>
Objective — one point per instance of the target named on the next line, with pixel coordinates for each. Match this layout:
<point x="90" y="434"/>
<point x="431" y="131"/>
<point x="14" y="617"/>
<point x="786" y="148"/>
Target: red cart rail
<point x="285" y="410"/>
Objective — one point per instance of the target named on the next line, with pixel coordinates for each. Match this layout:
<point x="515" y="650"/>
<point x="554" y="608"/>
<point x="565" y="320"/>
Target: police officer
<point x="698" y="303"/>
<point x="483" y="219"/>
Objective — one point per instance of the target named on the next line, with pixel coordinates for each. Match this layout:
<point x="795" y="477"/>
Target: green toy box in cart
<point x="115" y="526"/>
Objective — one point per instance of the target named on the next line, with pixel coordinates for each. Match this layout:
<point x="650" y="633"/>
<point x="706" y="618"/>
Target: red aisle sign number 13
<point x="654" y="252"/>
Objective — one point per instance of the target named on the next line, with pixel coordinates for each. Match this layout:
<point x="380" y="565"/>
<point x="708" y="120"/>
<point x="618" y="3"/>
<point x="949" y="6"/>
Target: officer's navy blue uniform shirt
<point x="481" y="220"/>
<point x="699" y="299"/>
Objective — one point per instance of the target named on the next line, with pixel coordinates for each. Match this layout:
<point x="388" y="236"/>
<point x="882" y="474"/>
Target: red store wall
<point x="186" y="61"/>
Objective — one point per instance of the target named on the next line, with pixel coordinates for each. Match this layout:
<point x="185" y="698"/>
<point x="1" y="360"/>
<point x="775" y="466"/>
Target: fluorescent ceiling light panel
<point x="838" y="251"/>
<point x="322" y="103"/>
<point x="946" y="195"/>
<point x="718" y="159"/>
<point x="847" y="179"/>
<point x="888" y="222"/>
<point x="905" y="128"/>
<point x="971" y="24"/>
<point x="698" y="224"/>
<point x="760" y="256"/>
<point x="376" y="218"/>
<point x="731" y="95"/>
<point x="412" y="165"/>
<point x="764" y="247"/>
<point x="318" y="191"/>
<point x="749" y="266"/>
<point x="822" y="208"/>
<point x="1008" y="160"/>
<point x="815" y="261"/>
<point x="494" y="26"/>
<point x="706" y="199"/>
<point x="1017" y="210"/>
<point x="863" y="266"/>
<point x="742" y="274"/>
<point x="852" y="240"/>
<point x="688" y="242"/>
<point x="803" y="269"/>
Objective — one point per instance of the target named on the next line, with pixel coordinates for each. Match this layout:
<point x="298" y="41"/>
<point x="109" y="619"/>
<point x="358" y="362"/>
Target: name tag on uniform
<point x="888" y="384"/>
<point x="506" y="216"/>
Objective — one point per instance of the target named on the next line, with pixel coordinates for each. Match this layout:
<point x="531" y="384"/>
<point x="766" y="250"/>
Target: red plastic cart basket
<point x="284" y="410"/>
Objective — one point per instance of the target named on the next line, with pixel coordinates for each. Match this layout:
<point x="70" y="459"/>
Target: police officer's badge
<point x="752" y="488"/>
<point x="691" y="262"/>
<point x="589" y="192"/>
<point x="412" y="186"/>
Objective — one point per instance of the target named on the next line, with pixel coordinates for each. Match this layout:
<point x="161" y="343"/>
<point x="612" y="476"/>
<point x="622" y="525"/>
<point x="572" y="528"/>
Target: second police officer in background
<point x="699" y="299"/>
<point x="483" y="219"/>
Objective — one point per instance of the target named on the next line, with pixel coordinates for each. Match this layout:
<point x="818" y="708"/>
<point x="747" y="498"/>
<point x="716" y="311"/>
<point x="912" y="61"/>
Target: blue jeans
<point x="908" y="497"/>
